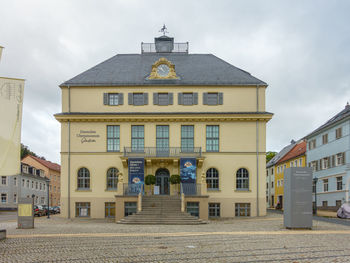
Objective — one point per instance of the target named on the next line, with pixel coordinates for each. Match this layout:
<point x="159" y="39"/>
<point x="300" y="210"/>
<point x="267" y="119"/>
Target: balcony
<point x="155" y="152"/>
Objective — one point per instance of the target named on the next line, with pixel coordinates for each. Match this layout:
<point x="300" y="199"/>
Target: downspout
<point x="257" y="152"/>
<point x="68" y="154"/>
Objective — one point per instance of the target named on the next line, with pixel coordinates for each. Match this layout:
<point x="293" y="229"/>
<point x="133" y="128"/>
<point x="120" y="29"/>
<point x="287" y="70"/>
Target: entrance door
<point x="162" y="180"/>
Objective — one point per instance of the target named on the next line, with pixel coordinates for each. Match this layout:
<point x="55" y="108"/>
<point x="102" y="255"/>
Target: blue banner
<point x="136" y="170"/>
<point x="188" y="170"/>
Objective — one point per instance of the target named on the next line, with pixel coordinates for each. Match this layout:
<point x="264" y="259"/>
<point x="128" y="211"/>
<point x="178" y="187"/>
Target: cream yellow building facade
<point x="163" y="106"/>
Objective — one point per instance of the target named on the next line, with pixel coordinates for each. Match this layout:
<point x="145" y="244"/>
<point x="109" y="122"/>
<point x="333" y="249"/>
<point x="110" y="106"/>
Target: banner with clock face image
<point x="188" y="170"/>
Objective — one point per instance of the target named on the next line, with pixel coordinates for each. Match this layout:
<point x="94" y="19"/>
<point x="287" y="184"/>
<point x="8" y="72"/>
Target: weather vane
<point x="164" y="30"/>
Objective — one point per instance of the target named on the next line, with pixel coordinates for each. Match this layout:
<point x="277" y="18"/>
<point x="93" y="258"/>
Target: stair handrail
<point x="182" y="198"/>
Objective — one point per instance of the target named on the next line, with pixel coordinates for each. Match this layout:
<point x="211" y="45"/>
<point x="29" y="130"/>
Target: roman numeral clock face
<point x="163" y="70"/>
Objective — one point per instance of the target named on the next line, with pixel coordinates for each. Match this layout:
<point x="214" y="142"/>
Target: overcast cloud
<point x="300" y="48"/>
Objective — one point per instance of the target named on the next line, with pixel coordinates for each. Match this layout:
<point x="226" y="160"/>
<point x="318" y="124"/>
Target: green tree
<point x="270" y="155"/>
<point x="26" y="151"/>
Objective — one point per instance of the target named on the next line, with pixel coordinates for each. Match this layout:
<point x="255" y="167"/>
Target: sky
<point x="300" y="48"/>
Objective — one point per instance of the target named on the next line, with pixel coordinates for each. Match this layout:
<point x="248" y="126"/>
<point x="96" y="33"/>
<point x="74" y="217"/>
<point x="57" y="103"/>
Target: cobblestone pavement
<point x="236" y="240"/>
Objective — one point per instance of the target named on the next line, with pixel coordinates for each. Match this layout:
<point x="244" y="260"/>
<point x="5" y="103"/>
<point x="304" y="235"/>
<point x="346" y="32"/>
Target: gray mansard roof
<point x="281" y="154"/>
<point x="192" y="69"/>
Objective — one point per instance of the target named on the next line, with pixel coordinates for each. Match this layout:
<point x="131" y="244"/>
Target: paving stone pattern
<point x="264" y="240"/>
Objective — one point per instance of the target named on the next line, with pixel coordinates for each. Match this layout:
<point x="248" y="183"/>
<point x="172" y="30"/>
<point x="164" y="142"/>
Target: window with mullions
<point x="187" y="138"/>
<point x="112" y="178"/>
<point x="130" y="208"/>
<point x="242" y="209"/>
<point x="109" y="209"/>
<point x="137" y="138"/>
<point x="340" y="183"/>
<point x="193" y="208"/>
<point x="212" y="179"/>
<point x="82" y="209"/>
<point x="162" y="140"/>
<point x="212" y="138"/>
<point x="214" y="209"/>
<point x="83" y="178"/>
<point x="242" y="179"/>
<point x="113" y="138"/>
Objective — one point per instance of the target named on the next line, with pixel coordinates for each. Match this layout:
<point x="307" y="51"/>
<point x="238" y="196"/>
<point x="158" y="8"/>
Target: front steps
<point x="161" y="210"/>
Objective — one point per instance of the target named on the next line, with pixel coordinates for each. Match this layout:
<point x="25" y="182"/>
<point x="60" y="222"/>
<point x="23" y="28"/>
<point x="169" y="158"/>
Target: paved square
<point x="236" y="240"/>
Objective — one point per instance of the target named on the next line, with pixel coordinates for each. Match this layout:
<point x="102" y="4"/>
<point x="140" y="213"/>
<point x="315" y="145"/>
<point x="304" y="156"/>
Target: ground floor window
<point x="3" y="198"/>
<point x="338" y="203"/>
<point x="214" y="209"/>
<point x="324" y="203"/>
<point x="82" y="209"/>
<point x="242" y="209"/>
<point x="110" y="209"/>
<point x="193" y="208"/>
<point x="130" y="208"/>
<point x="42" y="200"/>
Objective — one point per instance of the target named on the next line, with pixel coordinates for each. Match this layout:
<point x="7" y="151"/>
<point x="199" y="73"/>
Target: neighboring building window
<point x="15" y="198"/>
<point x="212" y="138"/>
<point x="27" y="185"/>
<point x="291" y="164"/>
<point x="130" y="208"/>
<point x="42" y="200"/>
<point x="138" y="99"/>
<point x="44" y="187"/>
<point x="40" y="185"/>
<point x="137" y="138"/>
<point x="36" y="185"/>
<point x="272" y="184"/>
<point x="300" y="162"/>
<point x="324" y="203"/>
<point x="213" y="98"/>
<point x="324" y="138"/>
<point x="15" y="181"/>
<point x="113" y="138"/>
<point x="193" y="208"/>
<point x="32" y="184"/>
<point x="187" y="138"/>
<point x="36" y="199"/>
<point x="214" y="209"/>
<point x="312" y="144"/>
<point x="112" y="178"/>
<point x="338" y="203"/>
<point x="272" y="171"/>
<point x="340" y="159"/>
<point x="82" y="209"/>
<point x="284" y="167"/>
<point x="83" y="178"/>
<point x="242" y="209"/>
<point x="3" y="198"/>
<point x="296" y="163"/>
<point x="242" y="179"/>
<point x="110" y="209"/>
<point x="162" y="99"/>
<point x="338" y="133"/>
<point x="3" y="180"/>
<point x="325" y="185"/>
<point x="162" y="138"/>
<point x="25" y="169"/>
<point x="212" y="179"/>
<point x="314" y="166"/>
<point x="340" y="183"/>
<point x="325" y="163"/>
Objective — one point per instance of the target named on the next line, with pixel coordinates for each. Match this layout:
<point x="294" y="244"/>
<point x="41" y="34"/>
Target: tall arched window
<point x="242" y="179"/>
<point x="112" y="178"/>
<point x="212" y="179"/>
<point x="83" y="178"/>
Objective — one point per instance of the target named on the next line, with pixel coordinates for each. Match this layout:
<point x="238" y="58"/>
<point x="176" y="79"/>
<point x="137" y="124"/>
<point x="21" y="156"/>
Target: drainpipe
<point x="68" y="154"/>
<point x="257" y="152"/>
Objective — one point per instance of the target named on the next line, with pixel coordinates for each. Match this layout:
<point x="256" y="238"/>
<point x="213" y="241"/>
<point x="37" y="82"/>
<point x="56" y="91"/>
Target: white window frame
<point x="3" y="201"/>
<point x="325" y="185"/>
<point x="2" y="180"/>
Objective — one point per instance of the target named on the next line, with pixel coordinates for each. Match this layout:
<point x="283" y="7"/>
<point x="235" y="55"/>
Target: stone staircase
<point x="161" y="210"/>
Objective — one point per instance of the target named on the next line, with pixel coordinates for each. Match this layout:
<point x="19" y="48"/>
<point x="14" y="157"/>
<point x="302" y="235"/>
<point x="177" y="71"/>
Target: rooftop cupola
<point x="347" y="106"/>
<point x="164" y="44"/>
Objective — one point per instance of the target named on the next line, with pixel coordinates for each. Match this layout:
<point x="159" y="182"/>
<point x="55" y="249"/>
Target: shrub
<point x="150" y="179"/>
<point x="175" y="179"/>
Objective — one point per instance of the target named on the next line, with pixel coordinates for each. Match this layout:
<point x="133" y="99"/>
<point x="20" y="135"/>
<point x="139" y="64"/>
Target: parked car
<point x="38" y="211"/>
<point x="57" y="209"/>
<point x="44" y="208"/>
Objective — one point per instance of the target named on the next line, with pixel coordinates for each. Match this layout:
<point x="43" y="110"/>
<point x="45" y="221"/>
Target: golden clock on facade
<point x="163" y="69"/>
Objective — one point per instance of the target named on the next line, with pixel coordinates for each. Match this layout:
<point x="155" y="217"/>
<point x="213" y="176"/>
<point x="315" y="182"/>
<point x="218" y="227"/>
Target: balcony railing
<point x="163" y="152"/>
<point x="177" y="48"/>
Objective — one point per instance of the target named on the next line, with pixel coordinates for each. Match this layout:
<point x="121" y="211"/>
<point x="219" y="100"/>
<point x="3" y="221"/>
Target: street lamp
<point x="48" y="198"/>
<point x="315" y="183"/>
